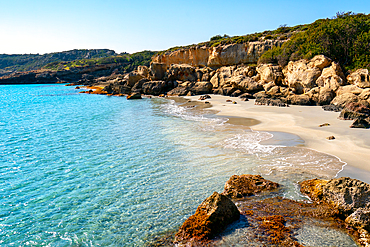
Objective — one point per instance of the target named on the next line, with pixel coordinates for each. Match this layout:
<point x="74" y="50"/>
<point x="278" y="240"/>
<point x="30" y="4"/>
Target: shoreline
<point x="350" y="145"/>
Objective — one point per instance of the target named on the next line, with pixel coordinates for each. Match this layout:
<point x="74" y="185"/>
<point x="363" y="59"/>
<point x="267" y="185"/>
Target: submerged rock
<point x="210" y="218"/>
<point x="239" y="186"/>
<point x="351" y="197"/>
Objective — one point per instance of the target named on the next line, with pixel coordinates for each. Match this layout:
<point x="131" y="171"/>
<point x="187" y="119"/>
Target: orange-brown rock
<point x="239" y="186"/>
<point x="351" y="197"/>
<point x="225" y="55"/>
<point x="210" y="218"/>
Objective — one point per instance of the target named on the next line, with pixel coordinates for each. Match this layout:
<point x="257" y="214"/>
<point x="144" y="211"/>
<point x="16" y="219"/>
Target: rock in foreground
<point x="351" y="197"/>
<point x="210" y="218"/>
<point x="239" y="186"/>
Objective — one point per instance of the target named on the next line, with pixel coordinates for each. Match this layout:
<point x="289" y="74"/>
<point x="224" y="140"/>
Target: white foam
<point x="249" y="142"/>
<point x="172" y="108"/>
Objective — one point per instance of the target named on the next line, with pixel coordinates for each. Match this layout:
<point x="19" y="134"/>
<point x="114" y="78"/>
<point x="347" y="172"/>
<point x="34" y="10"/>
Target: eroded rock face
<point x="331" y="77"/>
<point x="154" y="87"/>
<point x="270" y="73"/>
<point x="350" y="196"/>
<point x="182" y="72"/>
<point x="360" y="78"/>
<point x="226" y="55"/>
<point x="343" y="99"/>
<point x="210" y="218"/>
<point x="239" y="186"/>
<point x="301" y="75"/>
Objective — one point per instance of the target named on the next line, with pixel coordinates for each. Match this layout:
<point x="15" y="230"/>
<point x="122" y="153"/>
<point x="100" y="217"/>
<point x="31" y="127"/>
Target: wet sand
<point x="350" y="145"/>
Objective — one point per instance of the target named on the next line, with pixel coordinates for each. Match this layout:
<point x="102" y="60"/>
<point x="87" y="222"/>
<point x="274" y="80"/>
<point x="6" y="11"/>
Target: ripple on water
<point x="95" y="170"/>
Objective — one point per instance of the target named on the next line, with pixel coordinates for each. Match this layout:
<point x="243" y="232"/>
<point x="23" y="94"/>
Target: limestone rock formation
<point x="210" y="218"/>
<point x="154" y="87"/>
<point x="239" y="186"/>
<point x="331" y="77"/>
<point x="350" y="196"/>
<point x="360" y="78"/>
<point x="301" y="75"/>
<point x="223" y="55"/>
<point x="343" y="99"/>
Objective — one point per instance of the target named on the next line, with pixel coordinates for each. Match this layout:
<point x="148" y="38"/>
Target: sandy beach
<point x="350" y="145"/>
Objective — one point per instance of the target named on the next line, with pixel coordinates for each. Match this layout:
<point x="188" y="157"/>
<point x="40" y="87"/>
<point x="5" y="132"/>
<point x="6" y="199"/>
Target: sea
<point x="92" y="170"/>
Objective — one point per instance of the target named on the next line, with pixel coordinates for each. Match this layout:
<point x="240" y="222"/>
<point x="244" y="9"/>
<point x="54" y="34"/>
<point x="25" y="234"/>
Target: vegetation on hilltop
<point x="127" y="61"/>
<point x="345" y="38"/>
<point x="26" y="62"/>
<point x="281" y="33"/>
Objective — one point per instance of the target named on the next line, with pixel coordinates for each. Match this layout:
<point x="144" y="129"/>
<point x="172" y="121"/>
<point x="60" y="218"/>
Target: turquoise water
<point x="92" y="170"/>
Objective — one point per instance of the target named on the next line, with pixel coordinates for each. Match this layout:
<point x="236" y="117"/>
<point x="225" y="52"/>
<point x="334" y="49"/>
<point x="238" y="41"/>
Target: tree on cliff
<point x="345" y="38"/>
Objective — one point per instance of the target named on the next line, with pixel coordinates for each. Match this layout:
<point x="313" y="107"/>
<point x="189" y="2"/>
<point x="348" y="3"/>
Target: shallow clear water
<point x="92" y="170"/>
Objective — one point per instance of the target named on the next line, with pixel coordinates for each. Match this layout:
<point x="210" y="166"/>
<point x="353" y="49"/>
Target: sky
<point x="44" y="26"/>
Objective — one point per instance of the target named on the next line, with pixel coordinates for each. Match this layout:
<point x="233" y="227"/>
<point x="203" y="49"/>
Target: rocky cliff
<point x="226" y="55"/>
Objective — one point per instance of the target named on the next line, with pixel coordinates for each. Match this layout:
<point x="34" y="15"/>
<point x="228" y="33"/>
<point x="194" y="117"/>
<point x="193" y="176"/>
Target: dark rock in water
<point x="108" y="89"/>
<point x="275" y="221"/>
<point x="270" y="102"/>
<point x="334" y="108"/>
<point x="351" y="197"/>
<point x="204" y="97"/>
<point x="210" y="218"/>
<point x="239" y="186"/>
<point x="134" y="96"/>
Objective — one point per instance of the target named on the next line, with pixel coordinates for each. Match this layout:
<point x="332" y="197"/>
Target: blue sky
<point x="43" y="26"/>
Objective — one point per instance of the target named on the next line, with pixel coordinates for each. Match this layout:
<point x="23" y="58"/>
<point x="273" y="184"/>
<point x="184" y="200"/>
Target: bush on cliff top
<point x="344" y="38"/>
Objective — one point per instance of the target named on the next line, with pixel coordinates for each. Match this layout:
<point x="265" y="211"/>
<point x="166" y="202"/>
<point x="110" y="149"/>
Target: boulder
<point x="178" y="91"/>
<point x="350" y="196"/>
<point x="270" y="102"/>
<point x="157" y="71"/>
<point x="331" y="107"/>
<point x="154" y="87"/>
<point x="236" y="93"/>
<point x="182" y="72"/>
<point x="143" y="71"/>
<point x="365" y="94"/>
<point x="202" y="87"/>
<point x="222" y="76"/>
<point x="331" y="77"/>
<point x="239" y="186"/>
<point x="301" y="75"/>
<point x="132" y="78"/>
<point x="138" y="85"/>
<point x="363" y="123"/>
<point x="349" y="89"/>
<point x="320" y="61"/>
<point x="326" y="95"/>
<point x="246" y="96"/>
<point x="299" y="99"/>
<point x="270" y="73"/>
<point x="135" y="95"/>
<point x="343" y="99"/>
<point x="246" y="84"/>
<point x="360" y="78"/>
<point x="210" y="218"/>
<point x="354" y="110"/>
